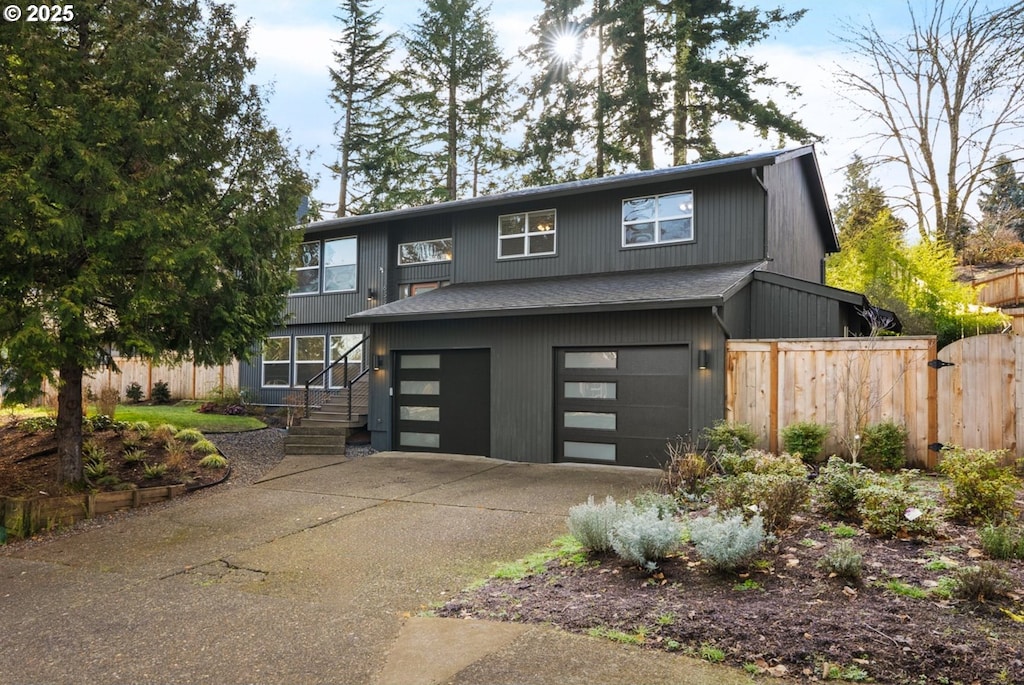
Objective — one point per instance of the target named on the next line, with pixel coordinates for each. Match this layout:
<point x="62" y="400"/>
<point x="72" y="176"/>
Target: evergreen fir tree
<point x="362" y="92"/>
<point x="1002" y="201"/>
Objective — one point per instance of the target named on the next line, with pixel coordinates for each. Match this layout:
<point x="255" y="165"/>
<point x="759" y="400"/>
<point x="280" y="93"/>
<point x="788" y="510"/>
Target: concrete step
<point x="332" y="428"/>
<point x="337" y="450"/>
<point x="322" y="440"/>
<point x="342" y="424"/>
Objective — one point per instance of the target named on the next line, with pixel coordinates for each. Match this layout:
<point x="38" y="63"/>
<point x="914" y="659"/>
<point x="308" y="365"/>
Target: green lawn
<point x="185" y="416"/>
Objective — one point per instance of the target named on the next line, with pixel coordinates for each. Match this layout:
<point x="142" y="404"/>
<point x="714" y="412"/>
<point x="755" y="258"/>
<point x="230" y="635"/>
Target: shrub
<point x="978" y="488"/>
<point x="727" y="542"/>
<point x="204" y="446"/>
<point x="213" y="461"/>
<point x="843" y="560"/>
<point x="38" y="424"/>
<point x="134" y="392"/>
<point x="775" y="496"/>
<point x="161" y="393"/>
<point x="892" y="509"/>
<point x="165" y="432"/>
<point x="805" y="438"/>
<point x="177" y="455"/>
<point x="978" y="583"/>
<point x="840" y="483"/>
<point x="643" y="537"/>
<point x="884" y="446"/>
<point x="665" y="505"/>
<point x="188" y="435"/>
<point x="591" y="523"/>
<point x="141" y="427"/>
<point x="106" y="403"/>
<point x="686" y="472"/>
<point x="732" y="437"/>
<point x="1003" y="541"/>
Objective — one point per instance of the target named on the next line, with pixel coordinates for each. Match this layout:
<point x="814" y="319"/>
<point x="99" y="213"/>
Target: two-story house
<point x="584" y="321"/>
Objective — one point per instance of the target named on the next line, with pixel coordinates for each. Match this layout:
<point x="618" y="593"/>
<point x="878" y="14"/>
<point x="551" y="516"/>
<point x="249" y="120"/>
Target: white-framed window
<point x="277" y="362"/>
<point x="526" y="234"/>
<point x="657" y="219"/>
<point x="425" y="252"/>
<point x="307" y="268"/>
<point x="339" y="345"/>
<point x="340" y="265"/>
<point x="309" y="358"/>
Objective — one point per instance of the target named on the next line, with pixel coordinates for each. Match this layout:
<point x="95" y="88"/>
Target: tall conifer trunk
<point x="69" y="423"/>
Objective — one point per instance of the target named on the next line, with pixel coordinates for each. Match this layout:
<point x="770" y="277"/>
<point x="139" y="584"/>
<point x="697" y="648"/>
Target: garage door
<point x="443" y="401"/>
<point x="620" y="405"/>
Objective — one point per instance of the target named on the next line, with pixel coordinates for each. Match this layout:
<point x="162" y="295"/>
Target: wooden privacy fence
<point x="186" y="381"/>
<point x="980" y="393"/>
<point x="844" y="383"/>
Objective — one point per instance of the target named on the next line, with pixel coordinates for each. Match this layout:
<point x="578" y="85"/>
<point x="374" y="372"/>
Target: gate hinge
<point x="938" y="363"/>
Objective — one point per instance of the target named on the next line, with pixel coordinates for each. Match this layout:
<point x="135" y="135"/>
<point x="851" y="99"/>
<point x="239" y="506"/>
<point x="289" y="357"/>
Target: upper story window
<point x="526" y="234"/>
<point x="338" y="262"/>
<point x="657" y="219"/>
<point x="425" y="252"/>
<point x="307" y="268"/>
<point x="340" y="265"/>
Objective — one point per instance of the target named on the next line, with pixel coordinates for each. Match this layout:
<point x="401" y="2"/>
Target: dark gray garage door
<point x="620" y="405"/>
<point x="443" y="401"/>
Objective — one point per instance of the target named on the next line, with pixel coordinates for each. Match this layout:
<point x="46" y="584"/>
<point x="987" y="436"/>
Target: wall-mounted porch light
<point x="371" y="295"/>
<point x="378" y="362"/>
<point x="703" y="359"/>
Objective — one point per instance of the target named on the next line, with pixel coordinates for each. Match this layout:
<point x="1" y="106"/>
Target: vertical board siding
<point x="522" y="367"/>
<point x="728" y="227"/>
<point x="844" y="383"/>
<point x="795" y="241"/>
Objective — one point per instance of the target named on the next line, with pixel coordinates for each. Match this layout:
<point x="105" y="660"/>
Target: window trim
<point x="527" y="234"/>
<point x="296" y="361"/>
<point x="318" y="267"/>
<point x="451" y="252"/>
<point x="324" y="266"/>
<point x="264" y="362"/>
<point x="657" y="220"/>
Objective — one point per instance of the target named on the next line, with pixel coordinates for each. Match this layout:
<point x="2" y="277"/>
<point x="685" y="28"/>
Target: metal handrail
<point x="346" y="383"/>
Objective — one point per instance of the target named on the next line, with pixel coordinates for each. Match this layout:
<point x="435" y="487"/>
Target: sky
<point x="292" y="43"/>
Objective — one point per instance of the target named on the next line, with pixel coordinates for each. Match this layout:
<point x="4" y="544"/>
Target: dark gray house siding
<point x="522" y="367"/>
<point x="507" y="340"/>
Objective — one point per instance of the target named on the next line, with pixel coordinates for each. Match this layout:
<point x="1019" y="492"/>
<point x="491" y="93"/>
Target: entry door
<point x="620" y="405"/>
<point x="443" y="401"/>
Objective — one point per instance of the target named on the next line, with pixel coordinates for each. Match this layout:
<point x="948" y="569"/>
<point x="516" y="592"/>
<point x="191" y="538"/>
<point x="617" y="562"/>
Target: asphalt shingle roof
<point x="663" y="288"/>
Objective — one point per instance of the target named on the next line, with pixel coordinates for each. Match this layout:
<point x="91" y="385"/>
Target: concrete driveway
<point x="316" y="575"/>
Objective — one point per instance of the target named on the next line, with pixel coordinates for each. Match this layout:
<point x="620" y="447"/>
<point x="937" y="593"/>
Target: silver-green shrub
<point x="591" y="523"/>
<point x="643" y="537"/>
<point x="726" y="541"/>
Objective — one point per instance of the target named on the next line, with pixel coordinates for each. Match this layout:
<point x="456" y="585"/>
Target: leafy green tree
<point x="363" y="93"/>
<point x="860" y="204"/>
<point x="145" y="202"/>
<point x="457" y="91"/>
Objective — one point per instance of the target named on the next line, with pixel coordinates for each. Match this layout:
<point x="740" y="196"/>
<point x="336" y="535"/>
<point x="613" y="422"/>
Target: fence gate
<point x="979" y="395"/>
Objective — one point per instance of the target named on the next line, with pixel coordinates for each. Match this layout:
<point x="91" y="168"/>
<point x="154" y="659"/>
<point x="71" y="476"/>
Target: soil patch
<point x="28" y="461"/>
<point x="786" y="617"/>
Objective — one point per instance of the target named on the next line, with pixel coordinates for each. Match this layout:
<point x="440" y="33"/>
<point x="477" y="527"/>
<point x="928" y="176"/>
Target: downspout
<point x="764" y="212"/>
<point x="721" y="323"/>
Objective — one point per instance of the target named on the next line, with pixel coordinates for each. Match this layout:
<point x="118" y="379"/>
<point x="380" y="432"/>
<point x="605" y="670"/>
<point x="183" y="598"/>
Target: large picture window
<point x="277" y="362"/>
<point x="307" y="269"/>
<point x="309" y="358"/>
<point x="340" y="264"/>
<point x="526" y="234"/>
<point x="425" y="252"/>
<point x="657" y="219"/>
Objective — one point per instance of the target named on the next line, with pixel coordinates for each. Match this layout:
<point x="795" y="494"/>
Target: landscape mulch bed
<point x="28" y="464"/>
<point x="788" y="618"/>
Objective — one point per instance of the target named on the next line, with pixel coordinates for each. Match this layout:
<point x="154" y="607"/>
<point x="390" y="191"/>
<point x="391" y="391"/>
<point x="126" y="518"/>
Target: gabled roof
<point x="656" y="289"/>
<point x="805" y="154"/>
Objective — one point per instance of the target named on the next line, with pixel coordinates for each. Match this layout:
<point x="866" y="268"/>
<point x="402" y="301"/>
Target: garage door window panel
<point x="590" y="390"/>
<point x="589" y="420"/>
<point x="594" y="451"/>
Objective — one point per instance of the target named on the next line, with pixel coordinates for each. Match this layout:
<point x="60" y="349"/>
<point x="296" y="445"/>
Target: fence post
<point x="773" y="399"/>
